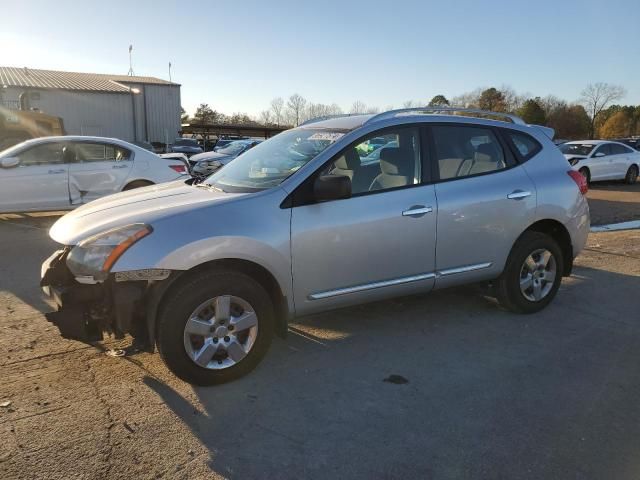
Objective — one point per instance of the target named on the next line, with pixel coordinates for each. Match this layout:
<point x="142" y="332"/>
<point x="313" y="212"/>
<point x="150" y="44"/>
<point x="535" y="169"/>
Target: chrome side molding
<point x="398" y="281"/>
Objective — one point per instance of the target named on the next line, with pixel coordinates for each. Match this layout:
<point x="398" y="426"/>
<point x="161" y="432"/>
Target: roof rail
<point x="444" y="110"/>
<point x="327" y="117"/>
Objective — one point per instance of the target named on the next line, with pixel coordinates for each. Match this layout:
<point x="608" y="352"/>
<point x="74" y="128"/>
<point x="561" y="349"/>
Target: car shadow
<point x="485" y="393"/>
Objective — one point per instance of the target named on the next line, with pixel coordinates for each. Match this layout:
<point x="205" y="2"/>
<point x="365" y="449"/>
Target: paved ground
<point x="613" y="202"/>
<point x="489" y="394"/>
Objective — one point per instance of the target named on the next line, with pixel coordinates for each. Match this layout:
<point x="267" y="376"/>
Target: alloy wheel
<point x="538" y="275"/>
<point x="220" y="332"/>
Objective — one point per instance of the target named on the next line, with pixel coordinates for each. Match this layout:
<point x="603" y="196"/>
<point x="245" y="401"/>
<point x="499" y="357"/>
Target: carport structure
<point x="219" y="130"/>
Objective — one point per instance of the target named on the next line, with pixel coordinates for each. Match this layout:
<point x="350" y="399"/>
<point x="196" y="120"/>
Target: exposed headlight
<point x="94" y="256"/>
<point x="573" y="161"/>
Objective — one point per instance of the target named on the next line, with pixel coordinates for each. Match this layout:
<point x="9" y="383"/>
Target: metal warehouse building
<point x="126" y="107"/>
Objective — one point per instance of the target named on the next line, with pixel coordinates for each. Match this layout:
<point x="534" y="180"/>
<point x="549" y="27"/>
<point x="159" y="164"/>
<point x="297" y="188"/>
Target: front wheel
<point x="215" y="328"/>
<point x="632" y="175"/>
<point x="532" y="275"/>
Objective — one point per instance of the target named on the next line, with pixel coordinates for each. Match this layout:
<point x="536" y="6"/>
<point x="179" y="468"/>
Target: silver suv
<point x="336" y="212"/>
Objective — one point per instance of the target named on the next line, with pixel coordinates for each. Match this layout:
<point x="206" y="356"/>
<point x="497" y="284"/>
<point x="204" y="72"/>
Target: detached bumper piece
<point x="86" y="311"/>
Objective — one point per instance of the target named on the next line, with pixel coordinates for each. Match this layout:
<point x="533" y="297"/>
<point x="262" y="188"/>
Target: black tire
<point x="508" y="290"/>
<point x="137" y="184"/>
<point x="632" y="175"/>
<point x="584" y="171"/>
<point x="182" y="302"/>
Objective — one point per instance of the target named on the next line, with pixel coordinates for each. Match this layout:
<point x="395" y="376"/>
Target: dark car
<point x="206" y="163"/>
<point x="188" y="146"/>
<point x="632" y="142"/>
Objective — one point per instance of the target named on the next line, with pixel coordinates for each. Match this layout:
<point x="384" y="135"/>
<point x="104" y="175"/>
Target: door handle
<point x="54" y="172"/>
<point x="417" y="210"/>
<point x="518" y="195"/>
<point x="119" y="166"/>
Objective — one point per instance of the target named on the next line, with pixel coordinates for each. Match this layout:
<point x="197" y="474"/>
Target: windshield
<point x="232" y="148"/>
<point x="267" y="165"/>
<point x="576" y="148"/>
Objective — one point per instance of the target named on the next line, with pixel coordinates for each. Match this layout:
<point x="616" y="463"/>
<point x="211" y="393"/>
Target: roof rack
<point x="327" y="117"/>
<point x="444" y="110"/>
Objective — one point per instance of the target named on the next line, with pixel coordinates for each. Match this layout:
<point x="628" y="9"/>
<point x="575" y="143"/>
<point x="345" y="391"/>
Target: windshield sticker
<point x="330" y="136"/>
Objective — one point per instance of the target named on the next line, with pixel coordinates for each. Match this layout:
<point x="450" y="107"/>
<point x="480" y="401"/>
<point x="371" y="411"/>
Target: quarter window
<point x="380" y="161"/>
<point x="100" y="152"/>
<point x="526" y="146"/>
<point x="463" y="151"/>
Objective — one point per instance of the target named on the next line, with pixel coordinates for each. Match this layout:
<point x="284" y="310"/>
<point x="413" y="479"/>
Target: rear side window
<point x="100" y="152"/>
<point x="463" y="151"/>
<point x="618" y="149"/>
<point x="525" y="145"/>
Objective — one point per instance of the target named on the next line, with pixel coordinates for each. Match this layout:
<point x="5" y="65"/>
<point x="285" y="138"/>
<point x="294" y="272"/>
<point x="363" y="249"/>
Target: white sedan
<point x="60" y="173"/>
<point x="602" y="160"/>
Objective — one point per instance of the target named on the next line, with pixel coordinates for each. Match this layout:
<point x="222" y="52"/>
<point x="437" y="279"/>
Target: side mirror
<point x="599" y="154"/>
<point x="332" y="187"/>
<point x="9" y="162"/>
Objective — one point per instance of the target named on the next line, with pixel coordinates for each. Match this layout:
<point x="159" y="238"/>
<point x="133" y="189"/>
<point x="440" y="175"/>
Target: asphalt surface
<point x="613" y="202"/>
<point x="488" y="394"/>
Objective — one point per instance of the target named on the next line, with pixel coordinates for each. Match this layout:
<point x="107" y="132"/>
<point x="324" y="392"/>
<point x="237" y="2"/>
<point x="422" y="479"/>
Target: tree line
<point x="595" y="115"/>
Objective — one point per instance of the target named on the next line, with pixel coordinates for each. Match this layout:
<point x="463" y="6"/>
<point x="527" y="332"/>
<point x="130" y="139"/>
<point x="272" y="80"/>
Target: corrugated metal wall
<point x="157" y="111"/>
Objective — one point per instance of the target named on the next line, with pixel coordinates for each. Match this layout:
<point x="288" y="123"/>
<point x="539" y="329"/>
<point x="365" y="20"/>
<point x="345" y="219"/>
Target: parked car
<point x="208" y="162"/>
<point x="632" y="142"/>
<point x="177" y="156"/>
<point x="223" y="142"/>
<point x="57" y="173"/>
<point x="297" y="225"/>
<point x="145" y="145"/>
<point x="602" y="160"/>
<point x="188" y="146"/>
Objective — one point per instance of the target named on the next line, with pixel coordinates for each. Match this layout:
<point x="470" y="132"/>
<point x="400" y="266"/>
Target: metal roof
<point x="53" y="79"/>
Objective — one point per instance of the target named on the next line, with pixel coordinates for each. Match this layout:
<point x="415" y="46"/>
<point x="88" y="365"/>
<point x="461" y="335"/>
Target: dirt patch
<point x="613" y="202"/>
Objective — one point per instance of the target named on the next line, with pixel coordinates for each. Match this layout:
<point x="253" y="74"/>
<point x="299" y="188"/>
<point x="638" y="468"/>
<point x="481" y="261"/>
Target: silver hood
<point x="142" y="205"/>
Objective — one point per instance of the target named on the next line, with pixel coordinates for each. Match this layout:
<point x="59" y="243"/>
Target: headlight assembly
<point x="94" y="256"/>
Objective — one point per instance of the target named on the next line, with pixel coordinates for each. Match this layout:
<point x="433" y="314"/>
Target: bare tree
<point x="277" y="105"/>
<point x="295" y="107"/>
<point x="468" y="100"/>
<point x="334" y="109"/>
<point x="411" y="104"/>
<point x="266" y="117"/>
<point x="358" y="107"/>
<point x="598" y="96"/>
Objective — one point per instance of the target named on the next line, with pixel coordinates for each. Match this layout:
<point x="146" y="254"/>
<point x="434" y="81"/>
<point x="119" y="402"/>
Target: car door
<point x="620" y="160"/>
<point x="38" y="182"/>
<point x="379" y="242"/>
<point x="485" y="200"/>
<point x="99" y="169"/>
<point x="600" y="162"/>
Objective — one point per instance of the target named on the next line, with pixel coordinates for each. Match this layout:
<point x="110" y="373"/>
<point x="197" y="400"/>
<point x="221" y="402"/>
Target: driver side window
<point x="43" y="154"/>
<point x="380" y="161"/>
<point x="603" y="149"/>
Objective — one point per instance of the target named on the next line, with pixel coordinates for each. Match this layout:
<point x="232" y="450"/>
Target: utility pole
<point x="169" y="71"/>
<point x="130" y="73"/>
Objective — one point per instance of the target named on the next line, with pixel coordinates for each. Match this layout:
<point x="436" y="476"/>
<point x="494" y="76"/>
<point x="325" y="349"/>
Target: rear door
<point x="38" y="182"/>
<point x="99" y="169"/>
<point x="620" y="161"/>
<point x="485" y="201"/>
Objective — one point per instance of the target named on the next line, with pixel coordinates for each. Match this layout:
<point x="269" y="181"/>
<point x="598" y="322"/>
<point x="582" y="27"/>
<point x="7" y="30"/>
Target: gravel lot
<point x="489" y="394"/>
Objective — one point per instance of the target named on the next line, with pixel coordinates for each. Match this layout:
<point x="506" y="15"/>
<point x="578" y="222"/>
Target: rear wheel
<point x="215" y="328"/>
<point x="584" y="171"/>
<point x="632" y="175"/>
<point x="137" y="184"/>
<point x="532" y="275"/>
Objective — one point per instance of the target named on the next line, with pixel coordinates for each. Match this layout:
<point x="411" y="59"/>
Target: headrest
<point x="486" y="152"/>
<point x="396" y="161"/>
<point x="350" y="160"/>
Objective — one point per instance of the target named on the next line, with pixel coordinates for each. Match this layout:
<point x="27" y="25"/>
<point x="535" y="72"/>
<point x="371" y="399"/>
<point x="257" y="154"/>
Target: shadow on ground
<point x="489" y="394"/>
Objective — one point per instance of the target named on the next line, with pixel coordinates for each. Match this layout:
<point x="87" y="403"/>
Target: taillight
<point x="580" y="180"/>
<point x="178" y="168"/>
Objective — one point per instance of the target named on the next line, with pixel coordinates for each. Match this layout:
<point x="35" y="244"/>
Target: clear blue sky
<point x="237" y="55"/>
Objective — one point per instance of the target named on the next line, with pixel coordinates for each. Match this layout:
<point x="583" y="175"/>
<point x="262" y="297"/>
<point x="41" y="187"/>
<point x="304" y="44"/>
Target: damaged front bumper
<point x="124" y="303"/>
